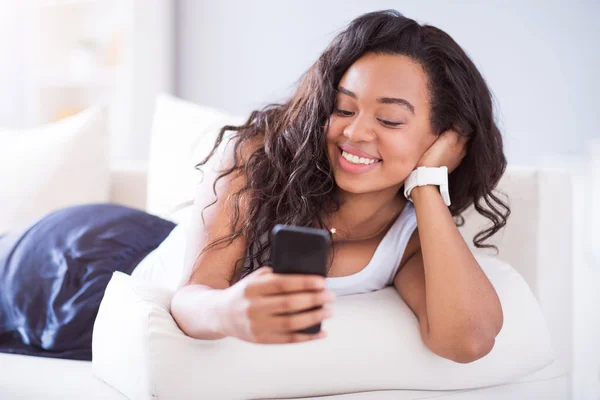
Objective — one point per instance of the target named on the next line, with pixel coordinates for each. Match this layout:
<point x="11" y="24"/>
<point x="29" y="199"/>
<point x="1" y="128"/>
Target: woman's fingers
<point x="303" y="320"/>
<point x="290" y="303"/>
<point x="291" y="337"/>
<point x="277" y="306"/>
<point x="270" y="284"/>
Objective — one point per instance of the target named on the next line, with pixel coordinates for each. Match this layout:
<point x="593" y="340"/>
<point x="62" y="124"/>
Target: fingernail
<point x="327" y="312"/>
<point x="329" y="296"/>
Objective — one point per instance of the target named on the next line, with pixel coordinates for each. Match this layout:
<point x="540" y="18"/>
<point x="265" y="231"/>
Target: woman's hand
<point x="448" y="150"/>
<point x="257" y="308"/>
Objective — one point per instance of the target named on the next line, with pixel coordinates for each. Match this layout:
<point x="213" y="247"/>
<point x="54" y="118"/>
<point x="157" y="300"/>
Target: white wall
<point x="12" y="111"/>
<point x="539" y="57"/>
<point x="146" y="67"/>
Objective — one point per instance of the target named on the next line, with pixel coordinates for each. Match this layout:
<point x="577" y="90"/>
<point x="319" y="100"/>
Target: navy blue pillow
<point x="53" y="275"/>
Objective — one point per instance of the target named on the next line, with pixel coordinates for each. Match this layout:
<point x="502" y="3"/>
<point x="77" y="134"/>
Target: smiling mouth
<point x="354" y="159"/>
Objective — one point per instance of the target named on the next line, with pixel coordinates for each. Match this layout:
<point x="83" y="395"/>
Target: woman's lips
<point x="357" y="152"/>
<point x="355" y="168"/>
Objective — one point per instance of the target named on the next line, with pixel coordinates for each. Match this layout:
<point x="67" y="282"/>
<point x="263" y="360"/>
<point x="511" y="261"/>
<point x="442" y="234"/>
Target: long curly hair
<point x="288" y="177"/>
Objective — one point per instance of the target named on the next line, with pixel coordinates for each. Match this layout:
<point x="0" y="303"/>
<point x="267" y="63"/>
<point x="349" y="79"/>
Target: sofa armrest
<point x="124" y="342"/>
<point x="128" y="184"/>
<point x="538" y="242"/>
<point x="139" y="350"/>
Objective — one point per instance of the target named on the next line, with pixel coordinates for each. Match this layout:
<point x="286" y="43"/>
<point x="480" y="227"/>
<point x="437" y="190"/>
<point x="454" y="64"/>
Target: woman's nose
<point x="359" y="130"/>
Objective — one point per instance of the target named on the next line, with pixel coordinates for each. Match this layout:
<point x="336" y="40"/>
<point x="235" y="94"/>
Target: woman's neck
<point x="362" y="214"/>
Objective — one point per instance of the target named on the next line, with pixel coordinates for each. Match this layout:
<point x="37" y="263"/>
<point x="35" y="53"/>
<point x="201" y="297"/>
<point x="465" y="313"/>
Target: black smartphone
<point x="300" y="250"/>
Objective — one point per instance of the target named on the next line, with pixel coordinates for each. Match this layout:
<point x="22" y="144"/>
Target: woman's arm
<point x="458" y="309"/>
<point x="198" y="307"/>
<point x="263" y="307"/>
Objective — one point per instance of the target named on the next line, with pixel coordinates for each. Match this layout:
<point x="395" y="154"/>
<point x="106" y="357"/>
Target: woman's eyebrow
<point x="394" y="100"/>
<point x="384" y="100"/>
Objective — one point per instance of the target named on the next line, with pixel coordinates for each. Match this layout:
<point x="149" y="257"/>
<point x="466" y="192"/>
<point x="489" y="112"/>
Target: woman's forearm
<point x="198" y="310"/>
<point x="462" y="305"/>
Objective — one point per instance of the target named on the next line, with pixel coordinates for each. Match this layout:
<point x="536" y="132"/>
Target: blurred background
<point x="540" y="59"/>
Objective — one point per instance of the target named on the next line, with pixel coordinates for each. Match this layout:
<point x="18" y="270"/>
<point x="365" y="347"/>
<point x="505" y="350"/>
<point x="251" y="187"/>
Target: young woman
<point x="386" y="97"/>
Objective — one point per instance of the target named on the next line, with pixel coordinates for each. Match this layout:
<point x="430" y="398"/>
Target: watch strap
<point x="428" y="176"/>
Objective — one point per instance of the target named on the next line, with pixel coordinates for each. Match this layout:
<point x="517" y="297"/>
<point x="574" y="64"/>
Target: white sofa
<point x="527" y="243"/>
<point x="536" y="241"/>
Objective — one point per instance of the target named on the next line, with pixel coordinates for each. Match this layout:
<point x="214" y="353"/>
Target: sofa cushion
<point x="374" y="343"/>
<point x="182" y="135"/>
<point x="53" y="166"/>
<point x="28" y="378"/>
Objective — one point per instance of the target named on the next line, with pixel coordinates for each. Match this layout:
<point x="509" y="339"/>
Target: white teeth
<point x="357" y="160"/>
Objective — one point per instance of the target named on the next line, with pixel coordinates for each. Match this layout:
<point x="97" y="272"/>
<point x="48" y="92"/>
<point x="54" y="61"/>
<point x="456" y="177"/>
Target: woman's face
<point x="380" y="127"/>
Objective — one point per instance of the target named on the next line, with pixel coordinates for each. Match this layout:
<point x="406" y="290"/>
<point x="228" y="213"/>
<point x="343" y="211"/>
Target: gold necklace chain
<point x="334" y="231"/>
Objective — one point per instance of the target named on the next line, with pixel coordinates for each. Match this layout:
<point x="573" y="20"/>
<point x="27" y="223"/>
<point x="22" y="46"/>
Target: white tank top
<point x="164" y="265"/>
<point x="384" y="264"/>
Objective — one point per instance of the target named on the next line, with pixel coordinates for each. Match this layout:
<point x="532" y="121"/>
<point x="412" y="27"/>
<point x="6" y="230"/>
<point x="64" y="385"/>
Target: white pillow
<point x="374" y="343"/>
<point x="53" y="166"/>
<point x="183" y="133"/>
<point x="164" y="265"/>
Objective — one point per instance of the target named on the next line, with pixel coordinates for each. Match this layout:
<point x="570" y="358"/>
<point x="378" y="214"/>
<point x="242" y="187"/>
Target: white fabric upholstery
<point x="53" y="166"/>
<point x="35" y="378"/>
<point x="537" y="241"/>
<point x="18" y="373"/>
<point x="374" y="343"/>
<point x="182" y="135"/>
<point x="164" y="265"/>
<point x="128" y="184"/>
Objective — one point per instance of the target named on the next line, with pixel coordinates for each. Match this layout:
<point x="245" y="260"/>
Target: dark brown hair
<point x="288" y="177"/>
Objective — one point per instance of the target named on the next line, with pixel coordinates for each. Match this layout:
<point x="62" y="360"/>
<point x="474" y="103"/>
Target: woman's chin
<point x="354" y="185"/>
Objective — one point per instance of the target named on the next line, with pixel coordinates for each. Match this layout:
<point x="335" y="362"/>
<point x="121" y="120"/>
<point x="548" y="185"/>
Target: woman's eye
<point x="390" y="123"/>
<point x="344" y="113"/>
